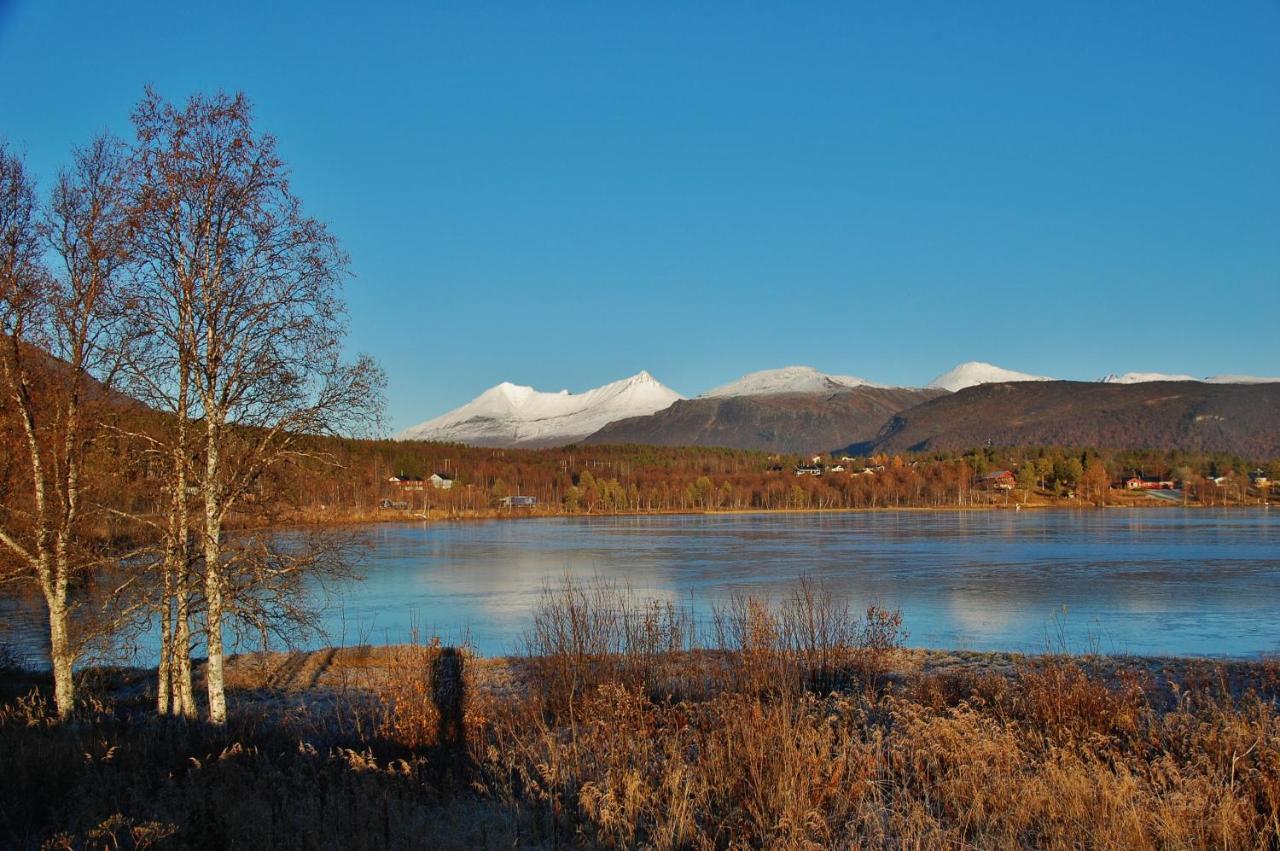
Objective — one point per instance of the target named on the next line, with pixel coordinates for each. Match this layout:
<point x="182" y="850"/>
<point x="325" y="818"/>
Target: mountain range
<point x="510" y="415"/>
<point x="1196" y="416"/>
<point x="775" y="422"/>
<point x="799" y="409"/>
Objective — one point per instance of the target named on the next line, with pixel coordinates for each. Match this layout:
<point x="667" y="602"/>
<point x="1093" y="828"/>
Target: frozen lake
<point x="1198" y="582"/>
<point x="1157" y="581"/>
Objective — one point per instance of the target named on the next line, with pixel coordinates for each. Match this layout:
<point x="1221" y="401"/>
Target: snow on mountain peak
<point x="975" y="372"/>
<point x="1140" y="377"/>
<point x="789" y="379"/>
<point x="1243" y="379"/>
<point x="516" y="415"/>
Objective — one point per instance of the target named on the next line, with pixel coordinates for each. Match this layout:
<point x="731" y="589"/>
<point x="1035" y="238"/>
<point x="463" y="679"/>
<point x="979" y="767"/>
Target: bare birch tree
<point x="250" y="291"/>
<point x="64" y="334"/>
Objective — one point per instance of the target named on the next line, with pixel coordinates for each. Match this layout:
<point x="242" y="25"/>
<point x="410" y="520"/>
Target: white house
<point x="441" y="481"/>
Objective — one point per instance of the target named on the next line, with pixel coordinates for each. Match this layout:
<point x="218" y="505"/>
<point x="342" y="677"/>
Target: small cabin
<point x="808" y="470"/>
<point x="441" y="481"/>
<point x="519" y="501"/>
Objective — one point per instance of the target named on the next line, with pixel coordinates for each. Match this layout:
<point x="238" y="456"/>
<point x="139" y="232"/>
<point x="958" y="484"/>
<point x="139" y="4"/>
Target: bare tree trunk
<point x="213" y="577"/>
<point x="175" y="689"/>
<point x="213" y="624"/>
<point x="185" y="695"/>
<point x="164" y="669"/>
<point x="166" y="674"/>
<point x="166" y="700"/>
<point x="61" y="654"/>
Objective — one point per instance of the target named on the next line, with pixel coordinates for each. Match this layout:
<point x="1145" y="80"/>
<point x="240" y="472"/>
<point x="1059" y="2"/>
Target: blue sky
<point x="565" y="194"/>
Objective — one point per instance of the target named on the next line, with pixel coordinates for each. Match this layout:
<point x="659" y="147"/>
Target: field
<point x="796" y="724"/>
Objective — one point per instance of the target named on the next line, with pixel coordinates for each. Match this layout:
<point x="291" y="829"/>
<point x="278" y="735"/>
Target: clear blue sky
<point x="563" y="194"/>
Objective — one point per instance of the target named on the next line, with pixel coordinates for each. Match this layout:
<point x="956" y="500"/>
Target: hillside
<point x="1243" y="419"/>
<point x="778" y="422"/>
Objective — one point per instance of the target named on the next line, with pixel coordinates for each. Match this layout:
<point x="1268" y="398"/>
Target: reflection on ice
<point x="1158" y="581"/>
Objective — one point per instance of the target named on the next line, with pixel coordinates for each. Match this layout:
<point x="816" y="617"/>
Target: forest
<point x="611" y="479"/>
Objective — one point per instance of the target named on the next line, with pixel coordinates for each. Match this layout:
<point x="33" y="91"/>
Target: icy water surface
<point x="1198" y="582"/>
<point x="1151" y="581"/>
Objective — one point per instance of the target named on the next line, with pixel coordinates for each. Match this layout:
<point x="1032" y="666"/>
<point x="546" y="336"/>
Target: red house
<point x="407" y="483"/>
<point x="1001" y="480"/>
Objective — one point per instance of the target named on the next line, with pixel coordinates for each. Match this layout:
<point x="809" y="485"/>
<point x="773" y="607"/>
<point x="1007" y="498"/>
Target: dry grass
<point x="799" y="724"/>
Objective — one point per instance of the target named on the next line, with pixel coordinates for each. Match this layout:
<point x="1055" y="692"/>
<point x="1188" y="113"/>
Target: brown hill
<point x="47" y="371"/>
<point x="1243" y="419"/>
<point x="783" y="422"/>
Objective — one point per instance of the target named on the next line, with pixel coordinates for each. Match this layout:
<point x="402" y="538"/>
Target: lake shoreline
<point x="392" y="516"/>
<point x="257" y="674"/>
<point x="309" y="665"/>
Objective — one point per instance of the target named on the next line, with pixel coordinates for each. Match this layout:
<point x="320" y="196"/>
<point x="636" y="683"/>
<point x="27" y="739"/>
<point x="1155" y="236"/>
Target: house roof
<point x="445" y="476"/>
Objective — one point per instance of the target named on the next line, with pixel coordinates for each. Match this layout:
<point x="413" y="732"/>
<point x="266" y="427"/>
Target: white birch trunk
<point x="61" y="654"/>
<point x="184" y="688"/>
<point x="213" y="577"/>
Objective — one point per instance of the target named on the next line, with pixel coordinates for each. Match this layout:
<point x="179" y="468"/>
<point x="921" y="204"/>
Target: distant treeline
<point x="604" y="479"/>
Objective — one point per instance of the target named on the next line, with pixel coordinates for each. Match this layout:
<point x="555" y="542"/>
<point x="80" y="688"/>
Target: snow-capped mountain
<point x="976" y="372"/>
<point x="789" y="379"/>
<point x="511" y="415"/>
<point x="1242" y="379"/>
<point x="1140" y="377"/>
